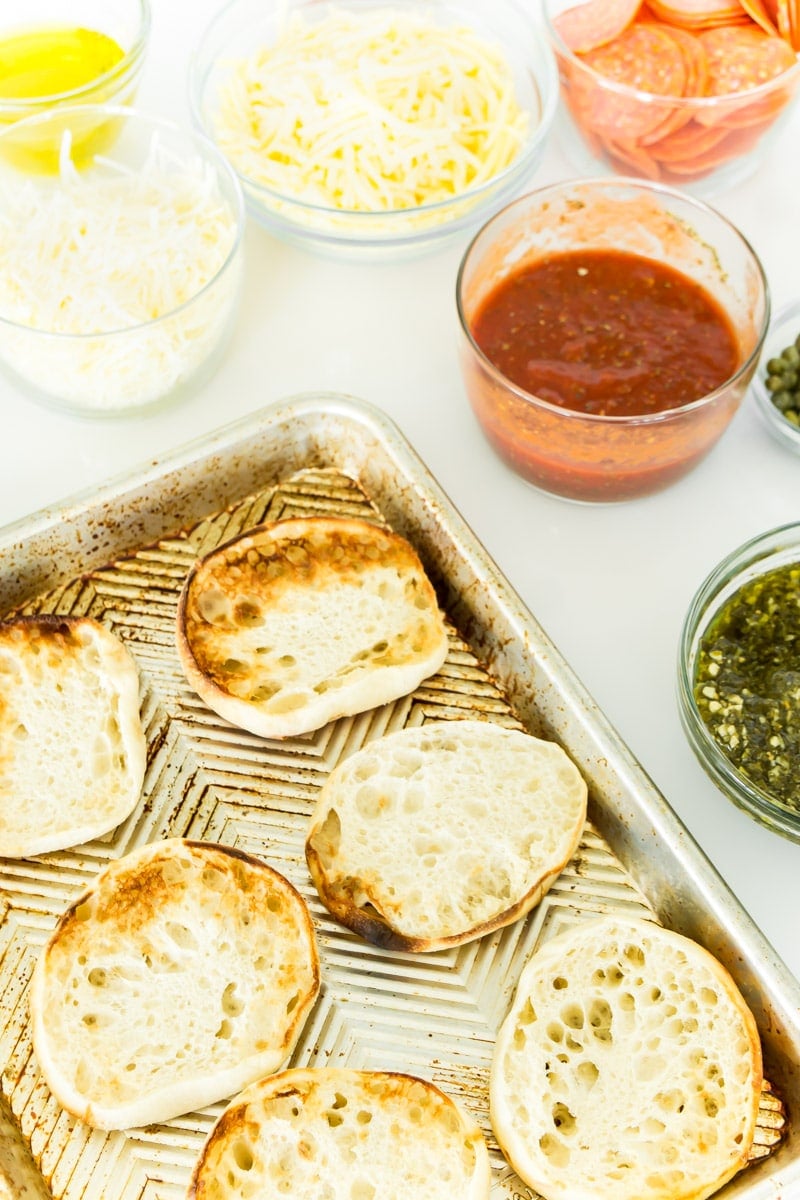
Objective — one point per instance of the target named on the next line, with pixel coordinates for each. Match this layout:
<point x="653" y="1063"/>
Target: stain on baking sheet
<point x="434" y="1015"/>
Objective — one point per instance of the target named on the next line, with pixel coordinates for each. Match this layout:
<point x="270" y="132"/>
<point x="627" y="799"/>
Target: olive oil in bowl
<point x="39" y="64"/>
<point x="47" y="67"/>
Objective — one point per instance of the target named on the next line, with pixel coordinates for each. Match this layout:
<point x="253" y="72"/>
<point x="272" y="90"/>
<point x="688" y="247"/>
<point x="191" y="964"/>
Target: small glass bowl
<point x="127" y="364"/>
<point x="776" y="548"/>
<point x="784" y="329"/>
<point x="701" y="144"/>
<point x="127" y="22"/>
<point x="246" y="25"/>
<point x="590" y="457"/>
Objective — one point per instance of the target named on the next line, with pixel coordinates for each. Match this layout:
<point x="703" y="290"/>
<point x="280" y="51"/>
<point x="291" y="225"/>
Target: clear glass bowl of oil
<point x="58" y="53"/>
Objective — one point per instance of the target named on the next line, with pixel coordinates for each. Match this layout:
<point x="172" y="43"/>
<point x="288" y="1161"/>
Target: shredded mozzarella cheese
<point x="95" y="259"/>
<point x="371" y="112"/>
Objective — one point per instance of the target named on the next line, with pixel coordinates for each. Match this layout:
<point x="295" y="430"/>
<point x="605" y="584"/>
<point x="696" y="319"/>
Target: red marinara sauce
<point x="606" y="332"/>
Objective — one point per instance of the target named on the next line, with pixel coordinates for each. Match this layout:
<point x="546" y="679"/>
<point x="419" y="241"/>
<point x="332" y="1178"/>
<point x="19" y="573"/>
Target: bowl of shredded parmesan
<point x="375" y="128"/>
<point x="120" y="272"/>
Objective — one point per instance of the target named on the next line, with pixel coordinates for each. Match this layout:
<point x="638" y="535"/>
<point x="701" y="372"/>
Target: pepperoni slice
<point x="742" y="57"/>
<point x="756" y="9"/>
<point x="783" y="19"/>
<point x="688" y="143"/>
<point x="787" y="18"/>
<point x="733" y="144"/>
<point x="694" y="57"/>
<point x="696" y="60"/>
<point x="698" y="14"/>
<point x="632" y="155"/>
<point x="590" y="25"/>
<point x="645" y="59"/>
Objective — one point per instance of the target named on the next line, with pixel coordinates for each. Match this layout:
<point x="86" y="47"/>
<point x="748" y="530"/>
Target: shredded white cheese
<point x="370" y="112"/>
<point x="93" y="258"/>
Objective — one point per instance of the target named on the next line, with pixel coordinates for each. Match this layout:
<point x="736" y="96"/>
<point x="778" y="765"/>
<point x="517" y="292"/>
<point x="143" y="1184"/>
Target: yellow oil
<point x="48" y="62"/>
<point x="41" y="66"/>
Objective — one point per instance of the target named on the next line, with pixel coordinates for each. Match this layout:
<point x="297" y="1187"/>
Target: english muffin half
<point x="185" y="971"/>
<point x="301" y="621"/>
<point x="72" y="749"/>
<point x="628" y="1066"/>
<point x="438" y="834"/>
<point x="343" y="1135"/>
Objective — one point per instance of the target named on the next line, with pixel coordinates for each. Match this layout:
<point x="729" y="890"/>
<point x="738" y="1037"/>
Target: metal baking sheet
<point x="433" y="1015"/>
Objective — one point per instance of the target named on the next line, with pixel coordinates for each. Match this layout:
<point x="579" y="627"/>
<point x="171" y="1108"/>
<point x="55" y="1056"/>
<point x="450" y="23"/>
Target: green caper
<point x="782" y="381"/>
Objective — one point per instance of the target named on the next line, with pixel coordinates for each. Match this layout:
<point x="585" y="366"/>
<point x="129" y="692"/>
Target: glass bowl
<point x="704" y="144"/>
<point x="119" y="276"/>
<point x="334" y="211"/>
<point x="62" y="52"/>
<point x="582" y="455"/>
<point x="783" y="332"/>
<point x="762" y="700"/>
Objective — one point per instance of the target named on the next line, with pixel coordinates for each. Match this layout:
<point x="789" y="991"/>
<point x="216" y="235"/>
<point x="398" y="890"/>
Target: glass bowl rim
<point x="547" y="85"/>
<point x="725" y="579"/>
<point x="625" y="421"/>
<point x="701" y="103"/>
<point x="211" y="155"/>
<point x="31" y="104"/>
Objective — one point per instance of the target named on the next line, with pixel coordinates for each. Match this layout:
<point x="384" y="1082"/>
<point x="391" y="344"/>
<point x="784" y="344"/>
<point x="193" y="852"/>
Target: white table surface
<point x="609" y="583"/>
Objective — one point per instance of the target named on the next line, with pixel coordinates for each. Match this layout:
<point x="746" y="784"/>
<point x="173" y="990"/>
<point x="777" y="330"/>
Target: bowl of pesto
<point x="739" y="677"/>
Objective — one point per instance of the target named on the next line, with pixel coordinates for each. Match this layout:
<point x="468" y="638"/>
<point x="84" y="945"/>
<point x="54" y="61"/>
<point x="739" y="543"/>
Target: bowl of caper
<point x="776" y="383"/>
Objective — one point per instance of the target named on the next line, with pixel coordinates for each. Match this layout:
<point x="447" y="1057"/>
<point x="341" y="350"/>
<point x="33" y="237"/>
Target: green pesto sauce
<point x="747" y="682"/>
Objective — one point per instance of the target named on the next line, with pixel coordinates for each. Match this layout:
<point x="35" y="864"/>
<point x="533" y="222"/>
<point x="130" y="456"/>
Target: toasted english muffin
<point x="436" y="835"/>
<point x="299" y="622"/>
<point x="628" y="1066"/>
<point x="185" y="971"/>
<point x="72" y="750"/>
<point x="338" y="1134"/>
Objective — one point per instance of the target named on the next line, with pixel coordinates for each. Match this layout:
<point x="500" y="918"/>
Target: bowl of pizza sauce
<point x="609" y="331"/>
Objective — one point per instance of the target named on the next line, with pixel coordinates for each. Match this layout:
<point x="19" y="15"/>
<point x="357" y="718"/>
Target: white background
<point x="610" y="584"/>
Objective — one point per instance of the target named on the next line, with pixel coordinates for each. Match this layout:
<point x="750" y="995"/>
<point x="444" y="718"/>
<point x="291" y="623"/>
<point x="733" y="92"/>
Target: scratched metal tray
<point x="434" y="1015"/>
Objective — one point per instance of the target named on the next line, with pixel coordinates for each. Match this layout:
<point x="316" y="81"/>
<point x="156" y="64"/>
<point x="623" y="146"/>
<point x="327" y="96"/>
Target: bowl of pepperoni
<point x="691" y="93"/>
<point x="609" y="331"/>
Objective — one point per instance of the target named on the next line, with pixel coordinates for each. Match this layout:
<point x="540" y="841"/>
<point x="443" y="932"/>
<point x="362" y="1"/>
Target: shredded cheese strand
<point x="371" y="112"/>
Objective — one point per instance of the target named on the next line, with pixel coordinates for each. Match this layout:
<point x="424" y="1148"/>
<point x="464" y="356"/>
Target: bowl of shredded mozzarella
<point x="120" y="272"/>
<point x="375" y="128"/>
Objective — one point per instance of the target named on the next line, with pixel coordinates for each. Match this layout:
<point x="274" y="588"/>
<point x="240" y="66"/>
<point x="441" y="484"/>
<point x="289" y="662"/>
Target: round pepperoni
<point x="590" y="25"/>
<point x="758" y="12"/>
<point x="642" y="58"/>
<point x="694" y="56"/>
<point x="698" y="14"/>
<point x="742" y="57"/>
<point x="688" y="144"/>
<point x="631" y="156"/>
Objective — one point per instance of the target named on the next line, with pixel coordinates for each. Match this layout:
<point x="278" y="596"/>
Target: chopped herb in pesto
<point x="747" y="682"/>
